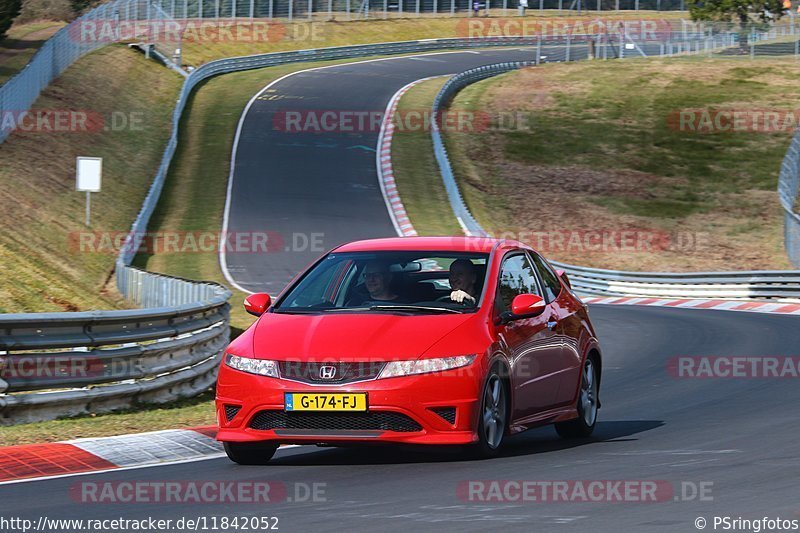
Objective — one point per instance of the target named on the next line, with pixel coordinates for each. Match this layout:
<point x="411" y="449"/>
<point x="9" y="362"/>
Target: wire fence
<point x="787" y="191"/>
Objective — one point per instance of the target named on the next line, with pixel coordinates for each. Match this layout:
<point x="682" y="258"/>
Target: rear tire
<point x="583" y="426"/>
<point x="492" y="417"/>
<point x="250" y="453"/>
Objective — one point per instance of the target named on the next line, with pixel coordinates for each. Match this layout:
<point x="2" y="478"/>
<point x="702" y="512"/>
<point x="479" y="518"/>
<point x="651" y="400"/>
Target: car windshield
<point x="403" y="282"/>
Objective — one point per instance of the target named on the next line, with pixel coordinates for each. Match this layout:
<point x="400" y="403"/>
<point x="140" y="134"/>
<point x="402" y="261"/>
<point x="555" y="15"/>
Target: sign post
<point x="88" y="176"/>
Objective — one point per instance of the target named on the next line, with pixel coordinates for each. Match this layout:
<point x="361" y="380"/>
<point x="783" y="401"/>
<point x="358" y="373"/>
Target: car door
<point x="567" y="326"/>
<point x="531" y="345"/>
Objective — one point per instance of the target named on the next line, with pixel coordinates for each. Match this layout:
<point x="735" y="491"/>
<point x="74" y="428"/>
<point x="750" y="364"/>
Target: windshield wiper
<point x="413" y="308"/>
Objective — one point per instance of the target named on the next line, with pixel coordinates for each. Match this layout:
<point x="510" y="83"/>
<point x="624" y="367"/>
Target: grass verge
<point x="421" y="187"/>
<point x="599" y="146"/>
<point x="43" y="266"/>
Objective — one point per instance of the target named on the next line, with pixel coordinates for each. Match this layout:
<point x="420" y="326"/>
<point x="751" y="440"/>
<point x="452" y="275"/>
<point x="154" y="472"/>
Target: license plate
<point x="302" y="401"/>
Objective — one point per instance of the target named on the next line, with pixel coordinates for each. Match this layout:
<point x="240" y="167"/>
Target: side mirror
<point x="256" y="304"/>
<point x="563" y="275"/>
<point x="523" y="306"/>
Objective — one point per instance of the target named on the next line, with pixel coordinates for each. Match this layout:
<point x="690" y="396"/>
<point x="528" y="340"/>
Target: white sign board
<point x="89" y="174"/>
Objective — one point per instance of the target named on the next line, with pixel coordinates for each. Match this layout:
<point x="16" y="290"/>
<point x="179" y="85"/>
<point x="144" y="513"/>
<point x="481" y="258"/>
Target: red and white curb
<point x="397" y="212"/>
<point x="691" y="303"/>
<point x="78" y="456"/>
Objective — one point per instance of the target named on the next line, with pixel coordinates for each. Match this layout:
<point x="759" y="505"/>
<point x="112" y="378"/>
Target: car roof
<point x="439" y="244"/>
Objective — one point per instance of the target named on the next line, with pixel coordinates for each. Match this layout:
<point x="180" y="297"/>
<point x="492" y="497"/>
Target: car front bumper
<point x="401" y="410"/>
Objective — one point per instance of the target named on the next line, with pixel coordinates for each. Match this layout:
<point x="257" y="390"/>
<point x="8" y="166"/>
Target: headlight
<point x="424" y="366"/>
<point x="262" y="367"/>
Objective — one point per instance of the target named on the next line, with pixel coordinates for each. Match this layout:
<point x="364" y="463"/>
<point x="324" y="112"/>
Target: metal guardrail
<point x="59" y="364"/>
<point x="782" y="285"/>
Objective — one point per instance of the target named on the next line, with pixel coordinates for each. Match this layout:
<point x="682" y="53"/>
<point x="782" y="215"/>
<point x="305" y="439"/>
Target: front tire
<point x="250" y="453"/>
<point x="493" y="417"/>
<point x="583" y="426"/>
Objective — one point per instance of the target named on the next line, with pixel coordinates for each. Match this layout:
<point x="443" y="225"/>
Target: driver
<point x="463" y="277"/>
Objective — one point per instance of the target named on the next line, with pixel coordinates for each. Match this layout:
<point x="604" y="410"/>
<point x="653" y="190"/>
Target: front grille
<point x="381" y="421"/>
<point x="231" y="411"/>
<point x="448" y="413"/>
<point x="307" y="372"/>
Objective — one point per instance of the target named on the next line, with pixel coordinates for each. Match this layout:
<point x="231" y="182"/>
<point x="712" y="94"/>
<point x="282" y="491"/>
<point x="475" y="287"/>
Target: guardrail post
<point x="539" y="51"/>
<point x="796" y="44"/>
<point x="418" y="7"/>
<point x="291" y="9"/>
<point x="310" y="9"/>
<point x="569" y="43"/>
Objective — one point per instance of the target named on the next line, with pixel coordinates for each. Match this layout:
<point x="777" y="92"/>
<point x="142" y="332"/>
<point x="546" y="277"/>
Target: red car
<point x="423" y="340"/>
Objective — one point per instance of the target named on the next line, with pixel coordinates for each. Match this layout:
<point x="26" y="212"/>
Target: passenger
<point x="377" y="280"/>
<point x="463" y="277"/>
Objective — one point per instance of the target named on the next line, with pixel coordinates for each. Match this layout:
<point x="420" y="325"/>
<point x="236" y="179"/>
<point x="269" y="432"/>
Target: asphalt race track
<point x="741" y="435"/>
<point x="313" y="191"/>
<point x="737" y="439"/>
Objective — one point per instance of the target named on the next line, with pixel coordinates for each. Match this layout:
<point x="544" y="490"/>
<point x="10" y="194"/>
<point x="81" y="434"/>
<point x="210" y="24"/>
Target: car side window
<point x="516" y="277"/>
<point x="551" y="283"/>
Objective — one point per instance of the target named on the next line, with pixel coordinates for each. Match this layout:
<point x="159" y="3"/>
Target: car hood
<point x="350" y="337"/>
